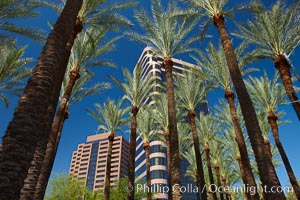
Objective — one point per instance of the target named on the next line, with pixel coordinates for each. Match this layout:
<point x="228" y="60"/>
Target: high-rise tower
<point x="158" y="160"/>
<point x="89" y="160"/>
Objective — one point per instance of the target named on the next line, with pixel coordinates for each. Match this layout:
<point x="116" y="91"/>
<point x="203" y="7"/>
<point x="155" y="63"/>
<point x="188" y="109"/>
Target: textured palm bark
<point x="242" y="170"/>
<point x="41" y="185"/>
<point x="200" y="177"/>
<point x="267" y="174"/>
<point x="227" y="196"/>
<point x="111" y="138"/>
<point x="218" y="176"/>
<point x="167" y="139"/>
<point x="30" y="124"/>
<point x="54" y="138"/>
<point x="132" y="147"/>
<point x="268" y="147"/>
<point x="210" y="173"/>
<point x="30" y="183"/>
<point x="174" y="166"/>
<point x="284" y="70"/>
<point x="247" y="174"/>
<point x="272" y="119"/>
<point x="146" y="148"/>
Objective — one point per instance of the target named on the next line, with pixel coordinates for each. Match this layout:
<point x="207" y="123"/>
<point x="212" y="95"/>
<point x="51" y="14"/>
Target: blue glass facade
<point x="92" y="166"/>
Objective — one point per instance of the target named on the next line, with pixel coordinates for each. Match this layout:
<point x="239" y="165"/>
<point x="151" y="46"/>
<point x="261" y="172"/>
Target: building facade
<point x="158" y="159"/>
<point x="89" y="160"/>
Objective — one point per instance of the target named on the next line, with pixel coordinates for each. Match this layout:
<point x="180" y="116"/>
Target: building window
<point x="158" y="161"/>
<point x="162" y="174"/>
<point x="157" y="149"/>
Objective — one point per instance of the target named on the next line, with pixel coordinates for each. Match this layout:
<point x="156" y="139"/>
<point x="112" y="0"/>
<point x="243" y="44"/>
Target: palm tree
<point x="213" y="63"/>
<point x="275" y="36"/>
<point x="145" y="124"/>
<point x="208" y="128"/>
<point x="79" y="92"/>
<point x="191" y="92"/>
<point x="11" y="10"/>
<point x="166" y="35"/>
<point x="215" y="12"/>
<point x="111" y="118"/>
<point x="13" y="70"/>
<point x="87" y="50"/>
<point x="269" y="95"/>
<point x="30" y="123"/>
<point x="98" y="14"/>
<point x="84" y="54"/>
<point x="136" y="89"/>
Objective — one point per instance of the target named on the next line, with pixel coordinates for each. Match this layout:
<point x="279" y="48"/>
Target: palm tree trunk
<point x="200" y="177"/>
<point x="51" y="150"/>
<point x="284" y="70"/>
<point x="111" y="138"/>
<point x="239" y="160"/>
<point x="54" y="138"/>
<point x="225" y="186"/>
<point x="132" y="147"/>
<point x="52" y="146"/>
<point x="212" y="187"/>
<point x="39" y="156"/>
<point x="41" y="162"/>
<point x="247" y="173"/>
<point x="268" y="147"/>
<point x="174" y="165"/>
<point x="167" y="139"/>
<point x="272" y="119"/>
<point x="217" y="169"/>
<point x="267" y="173"/>
<point x="146" y="148"/>
<point x="30" y="124"/>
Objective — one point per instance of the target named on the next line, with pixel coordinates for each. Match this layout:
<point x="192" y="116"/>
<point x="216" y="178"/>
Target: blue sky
<point x="80" y="125"/>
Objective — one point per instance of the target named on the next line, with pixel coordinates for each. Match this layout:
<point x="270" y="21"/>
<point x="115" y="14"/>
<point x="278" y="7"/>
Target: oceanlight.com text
<point x="192" y="188"/>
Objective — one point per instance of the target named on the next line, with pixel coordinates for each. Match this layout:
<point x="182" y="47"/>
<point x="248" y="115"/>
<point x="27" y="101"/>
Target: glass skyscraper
<point x="158" y="159"/>
<point x="89" y="160"/>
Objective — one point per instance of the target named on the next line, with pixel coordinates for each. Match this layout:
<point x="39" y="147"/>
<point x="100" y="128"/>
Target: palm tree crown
<point x="97" y="13"/>
<point x="12" y="70"/>
<point x="110" y="116"/>
<point x="164" y="32"/>
<point x="273" y="33"/>
<point x="18" y="9"/>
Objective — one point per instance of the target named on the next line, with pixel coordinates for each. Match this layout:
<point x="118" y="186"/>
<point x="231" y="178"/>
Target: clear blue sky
<point x="80" y="125"/>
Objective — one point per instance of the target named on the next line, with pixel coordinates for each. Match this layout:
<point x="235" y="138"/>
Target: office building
<point x="89" y="160"/>
<point x="158" y="160"/>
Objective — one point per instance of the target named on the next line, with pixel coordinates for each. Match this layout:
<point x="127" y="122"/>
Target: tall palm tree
<point x="215" y="12"/>
<point x="85" y="53"/>
<point x="191" y="92"/>
<point x="208" y="128"/>
<point x="12" y="70"/>
<point x="79" y="92"/>
<point x="145" y="125"/>
<point x="111" y="118"/>
<point x="85" y="46"/>
<point x="269" y="95"/>
<point x="213" y="62"/>
<point x="276" y="36"/>
<point x="30" y="123"/>
<point x="136" y="89"/>
<point x="166" y="35"/>
<point x="11" y="10"/>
